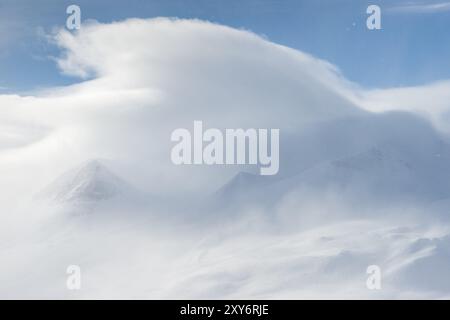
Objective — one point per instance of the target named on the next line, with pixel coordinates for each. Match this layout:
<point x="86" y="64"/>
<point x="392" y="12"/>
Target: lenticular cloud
<point x="87" y="177"/>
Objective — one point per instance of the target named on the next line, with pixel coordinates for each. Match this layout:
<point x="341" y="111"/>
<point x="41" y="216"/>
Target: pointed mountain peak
<point x="92" y="181"/>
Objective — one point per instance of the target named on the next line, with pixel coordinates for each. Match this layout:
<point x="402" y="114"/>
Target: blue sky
<point x="413" y="47"/>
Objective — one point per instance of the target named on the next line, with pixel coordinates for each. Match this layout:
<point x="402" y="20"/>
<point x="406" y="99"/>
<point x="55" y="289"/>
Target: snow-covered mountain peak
<point x="90" y="182"/>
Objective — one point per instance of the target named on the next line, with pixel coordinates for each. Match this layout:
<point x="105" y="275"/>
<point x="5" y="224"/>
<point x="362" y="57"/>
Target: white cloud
<point x="431" y="101"/>
<point x="150" y="77"/>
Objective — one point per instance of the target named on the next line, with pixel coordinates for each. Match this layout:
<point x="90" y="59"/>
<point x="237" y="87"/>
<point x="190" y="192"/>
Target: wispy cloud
<point x="421" y="7"/>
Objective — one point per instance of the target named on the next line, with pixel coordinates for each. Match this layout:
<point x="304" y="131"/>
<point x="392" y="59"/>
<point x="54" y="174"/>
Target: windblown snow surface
<point x="87" y="180"/>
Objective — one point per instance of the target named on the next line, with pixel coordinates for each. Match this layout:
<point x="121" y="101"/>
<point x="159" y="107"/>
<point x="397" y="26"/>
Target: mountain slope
<point x="388" y="165"/>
